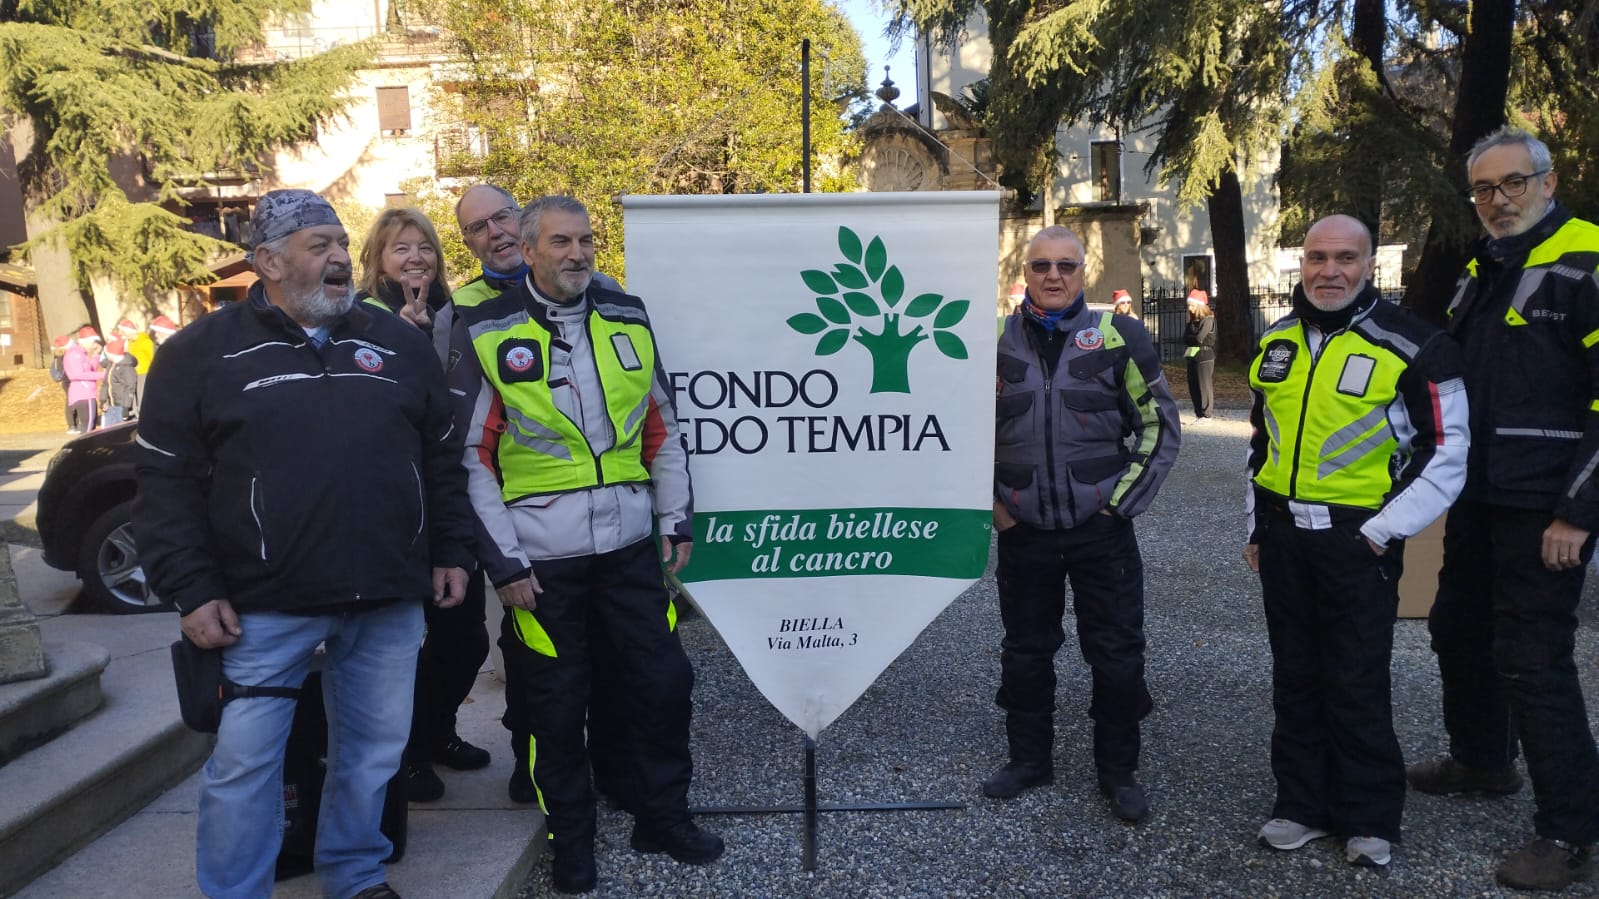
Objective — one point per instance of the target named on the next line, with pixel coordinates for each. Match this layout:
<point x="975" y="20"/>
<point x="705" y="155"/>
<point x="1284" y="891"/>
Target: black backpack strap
<point x="231" y="690"/>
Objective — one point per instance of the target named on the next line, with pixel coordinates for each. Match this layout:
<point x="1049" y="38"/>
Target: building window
<point x="394" y="110"/>
<point x="1107" y="162"/>
<point x="1199" y="274"/>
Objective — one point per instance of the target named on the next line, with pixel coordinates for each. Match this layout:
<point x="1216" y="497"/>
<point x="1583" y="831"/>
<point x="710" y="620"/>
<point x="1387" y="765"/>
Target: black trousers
<point x="1100" y="558"/>
<point x="620" y="593"/>
<point x="80" y="416"/>
<point x="1200" y="388"/>
<point x="1330" y="607"/>
<point x="447" y="666"/>
<point x="609" y="743"/>
<point x="1504" y="628"/>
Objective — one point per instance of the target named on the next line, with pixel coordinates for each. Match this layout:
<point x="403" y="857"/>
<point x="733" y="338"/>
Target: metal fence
<point x="1165" y="312"/>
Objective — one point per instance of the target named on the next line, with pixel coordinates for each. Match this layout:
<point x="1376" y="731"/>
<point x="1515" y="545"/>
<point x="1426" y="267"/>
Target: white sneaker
<point x="1281" y="833"/>
<point x="1368" y="852"/>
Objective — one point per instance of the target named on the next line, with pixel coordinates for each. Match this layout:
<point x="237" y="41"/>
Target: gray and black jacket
<point x="1084" y="419"/>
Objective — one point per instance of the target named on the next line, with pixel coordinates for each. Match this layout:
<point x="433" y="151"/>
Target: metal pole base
<point x="811" y="808"/>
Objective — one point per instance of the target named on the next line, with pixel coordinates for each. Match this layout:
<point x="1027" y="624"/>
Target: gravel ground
<point x="928" y="730"/>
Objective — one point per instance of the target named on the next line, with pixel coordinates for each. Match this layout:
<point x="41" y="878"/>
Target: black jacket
<point x="284" y="477"/>
<point x="124" y="383"/>
<point x="1526" y="312"/>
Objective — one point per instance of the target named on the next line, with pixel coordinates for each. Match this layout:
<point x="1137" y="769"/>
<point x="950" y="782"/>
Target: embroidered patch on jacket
<point x="521" y="360"/>
<point x="1089" y="339"/>
<point x="1356" y="376"/>
<point x="1276" y="360"/>
<point x="368" y="359"/>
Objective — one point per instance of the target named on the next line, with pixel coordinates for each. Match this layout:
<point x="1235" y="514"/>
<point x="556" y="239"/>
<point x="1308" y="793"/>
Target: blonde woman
<point x="1200" y="339"/>
<point x="402" y="270"/>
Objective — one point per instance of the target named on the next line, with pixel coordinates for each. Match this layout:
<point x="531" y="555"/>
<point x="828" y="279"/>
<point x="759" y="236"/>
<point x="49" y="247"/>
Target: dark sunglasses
<point x="1042" y="266"/>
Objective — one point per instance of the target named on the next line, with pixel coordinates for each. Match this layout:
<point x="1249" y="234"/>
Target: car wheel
<point x="108" y="565"/>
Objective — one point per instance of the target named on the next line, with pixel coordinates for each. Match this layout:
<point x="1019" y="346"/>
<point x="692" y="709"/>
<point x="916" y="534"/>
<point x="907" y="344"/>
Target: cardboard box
<point x="1424" y="555"/>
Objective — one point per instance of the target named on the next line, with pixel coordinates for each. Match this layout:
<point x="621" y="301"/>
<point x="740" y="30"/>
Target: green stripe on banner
<point x="777" y="543"/>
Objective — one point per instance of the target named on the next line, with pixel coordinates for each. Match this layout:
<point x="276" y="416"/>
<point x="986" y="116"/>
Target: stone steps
<point x="123" y="752"/>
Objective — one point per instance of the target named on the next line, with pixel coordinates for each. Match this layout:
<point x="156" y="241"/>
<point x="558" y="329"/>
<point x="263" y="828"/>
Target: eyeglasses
<point x="1513" y="186"/>
<point x="503" y="218"/>
<point x="1042" y="266"/>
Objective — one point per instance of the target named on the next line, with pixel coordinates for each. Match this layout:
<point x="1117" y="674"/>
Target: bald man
<point x="1359" y="441"/>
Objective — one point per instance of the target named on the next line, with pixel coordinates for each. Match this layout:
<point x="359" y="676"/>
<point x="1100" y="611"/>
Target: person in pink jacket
<point x="82" y="365"/>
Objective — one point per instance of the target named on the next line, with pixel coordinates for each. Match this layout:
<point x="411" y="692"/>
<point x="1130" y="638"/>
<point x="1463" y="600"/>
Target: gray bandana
<point x="280" y="213"/>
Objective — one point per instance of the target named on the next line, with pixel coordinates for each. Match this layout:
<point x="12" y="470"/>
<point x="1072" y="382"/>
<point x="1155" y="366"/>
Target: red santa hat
<point x="1198" y="296"/>
<point x="164" y="325"/>
<point x="115" y="347"/>
<point x="88" y="333"/>
<point x="128" y="326"/>
<point x="61" y="342"/>
<point x="1119" y="295"/>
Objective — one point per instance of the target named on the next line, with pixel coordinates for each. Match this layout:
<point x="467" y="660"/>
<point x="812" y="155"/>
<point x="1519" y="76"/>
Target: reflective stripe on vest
<point x="1327" y="418"/>
<point x="542" y="450"/>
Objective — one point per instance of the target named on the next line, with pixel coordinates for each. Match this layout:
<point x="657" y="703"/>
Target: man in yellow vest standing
<point x="574" y="461"/>
<point x="1359" y="441"/>
<point x="1517" y="545"/>
<point x="489" y="218"/>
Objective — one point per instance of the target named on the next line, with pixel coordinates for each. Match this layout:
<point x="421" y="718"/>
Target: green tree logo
<point x="845" y="295"/>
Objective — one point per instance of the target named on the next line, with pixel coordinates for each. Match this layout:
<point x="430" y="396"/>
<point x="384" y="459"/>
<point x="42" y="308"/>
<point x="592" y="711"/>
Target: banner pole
<point x="805" y="117"/>
<point x="810" y="804"/>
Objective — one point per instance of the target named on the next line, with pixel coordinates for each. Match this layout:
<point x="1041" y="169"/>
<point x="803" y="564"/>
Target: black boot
<point x="684" y="842"/>
<point x="572" y="869"/>
<point x="520" y="788"/>
<point x="1009" y="781"/>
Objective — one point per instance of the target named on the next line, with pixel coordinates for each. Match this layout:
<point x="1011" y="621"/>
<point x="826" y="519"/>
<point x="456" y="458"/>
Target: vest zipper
<point x="605" y="406"/>
<point x="1049" y="439"/>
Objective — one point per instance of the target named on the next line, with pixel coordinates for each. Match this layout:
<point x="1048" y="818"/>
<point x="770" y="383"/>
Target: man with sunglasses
<point x="1517" y="544"/>
<point x="1086" y="432"/>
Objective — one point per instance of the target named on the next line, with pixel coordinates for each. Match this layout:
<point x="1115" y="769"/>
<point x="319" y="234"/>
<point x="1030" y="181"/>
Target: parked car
<point x="85" y="519"/>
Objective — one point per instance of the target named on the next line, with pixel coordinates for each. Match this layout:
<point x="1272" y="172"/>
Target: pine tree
<point x="127" y="103"/>
<point x="1207" y="77"/>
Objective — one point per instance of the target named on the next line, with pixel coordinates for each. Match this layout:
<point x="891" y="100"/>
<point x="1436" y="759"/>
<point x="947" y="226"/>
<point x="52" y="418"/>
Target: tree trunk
<point x="1367" y="35"/>
<point x="1234" y="321"/>
<point x="1479" y="109"/>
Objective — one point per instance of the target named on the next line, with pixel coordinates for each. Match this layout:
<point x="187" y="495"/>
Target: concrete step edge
<point x="37" y="837"/>
<point x="33" y="711"/>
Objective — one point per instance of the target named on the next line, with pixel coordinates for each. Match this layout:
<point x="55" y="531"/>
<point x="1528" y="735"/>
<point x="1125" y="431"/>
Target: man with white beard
<point x="300" y="485"/>
<point x="1360" y="440"/>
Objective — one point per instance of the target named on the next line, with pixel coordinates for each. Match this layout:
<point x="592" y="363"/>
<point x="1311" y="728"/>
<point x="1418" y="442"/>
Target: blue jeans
<point x="367" y="682"/>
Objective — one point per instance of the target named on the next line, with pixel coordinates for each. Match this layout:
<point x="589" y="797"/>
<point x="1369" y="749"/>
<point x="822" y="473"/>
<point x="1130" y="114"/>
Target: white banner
<point x="832" y="362"/>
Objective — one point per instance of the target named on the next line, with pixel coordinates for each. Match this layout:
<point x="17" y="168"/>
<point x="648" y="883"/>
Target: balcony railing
<point x="424" y="40"/>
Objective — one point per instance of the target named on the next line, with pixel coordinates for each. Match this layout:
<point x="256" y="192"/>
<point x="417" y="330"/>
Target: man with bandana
<point x="488" y="217"/>
<point x="1359" y="442"/>
<point x="1518" y="544"/>
<point x="579" y="478"/>
<point x="1086" y="432"/>
<point x="301" y="485"/>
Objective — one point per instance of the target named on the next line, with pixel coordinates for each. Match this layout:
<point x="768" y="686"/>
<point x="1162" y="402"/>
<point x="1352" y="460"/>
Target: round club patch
<point x="519" y="358"/>
<point x="369" y="359"/>
<point x="1090" y="339"/>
